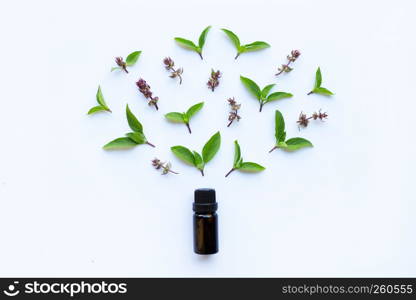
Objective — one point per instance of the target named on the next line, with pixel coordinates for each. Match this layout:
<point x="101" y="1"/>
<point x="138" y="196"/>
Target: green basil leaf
<point x="194" y="109"/>
<point x="278" y="96"/>
<point x="322" y="91"/>
<point x="175" y="117"/>
<point x="184" y="154"/>
<point x="282" y="144"/>
<point x="297" y="143"/>
<point x="266" y="90"/>
<point x="199" y="163"/>
<point x="115" y="68"/>
<point x="120" y="143"/>
<point x="251" y="167"/>
<point x="318" y="78"/>
<point x="186" y="44"/>
<point x="251" y="86"/>
<point x="100" y="98"/>
<point x="211" y="147"/>
<point x="203" y="36"/>
<point x="240" y="50"/>
<point x="137" y="137"/>
<point x="132" y="58"/>
<point x="233" y="37"/>
<point x="280" y="133"/>
<point x="238" y="164"/>
<point x="97" y="109"/>
<point x="134" y="124"/>
<point x="237" y="153"/>
<point x="256" y="46"/>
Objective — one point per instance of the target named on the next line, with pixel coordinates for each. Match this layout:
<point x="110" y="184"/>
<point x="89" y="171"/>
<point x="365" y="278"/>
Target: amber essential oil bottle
<point x="205" y="222"/>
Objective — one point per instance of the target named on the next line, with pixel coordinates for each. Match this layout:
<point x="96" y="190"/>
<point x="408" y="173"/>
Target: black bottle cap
<point x="205" y="201"/>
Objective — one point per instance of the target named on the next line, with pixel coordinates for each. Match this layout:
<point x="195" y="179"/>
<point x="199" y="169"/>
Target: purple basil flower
<point x="294" y="54"/>
<point x="169" y="65"/>
<point x="144" y="88"/>
<point x="213" y="81"/>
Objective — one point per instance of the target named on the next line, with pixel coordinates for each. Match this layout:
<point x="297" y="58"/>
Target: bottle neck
<point x="205" y="213"/>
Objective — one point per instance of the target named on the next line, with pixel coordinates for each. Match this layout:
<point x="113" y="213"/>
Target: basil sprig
<point x="239" y="164"/>
<point x="318" y="89"/>
<point x="102" y="106"/>
<point x="194" y="158"/>
<point x="255" y="46"/>
<point x="131" y="139"/>
<point x="292" y="144"/>
<point x="186" y="116"/>
<point x="263" y="96"/>
<point x="191" y="45"/>
<point x="131" y="59"/>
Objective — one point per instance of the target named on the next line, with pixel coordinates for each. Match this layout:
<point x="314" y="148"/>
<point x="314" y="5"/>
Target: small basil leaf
<point x="322" y="91"/>
<point x="256" y="46"/>
<point x="132" y="58"/>
<point x="194" y="109"/>
<point x="100" y="97"/>
<point x="251" y="167"/>
<point x="280" y="133"/>
<point x="278" y="96"/>
<point x="115" y="68"/>
<point x="199" y="163"/>
<point x="175" y="117"/>
<point x="203" y="36"/>
<point x="184" y="154"/>
<point x="120" y="143"/>
<point x="318" y="78"/>
<point x="233" y="37"/>
<point x="251" y="86"/>
<point x="96" y="109"/>
<point x="297" y="143"/>
<point x="186" y="43"/>
<point x="266" y="90"/>
<point x="137" y="137"/>
<point x="134" y="124"/>
<point x="211" y="147"/>
<point x="237" y="153"/>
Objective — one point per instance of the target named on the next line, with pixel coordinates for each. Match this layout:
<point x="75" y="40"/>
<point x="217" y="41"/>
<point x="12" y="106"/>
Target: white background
<point x="343" y="208"/>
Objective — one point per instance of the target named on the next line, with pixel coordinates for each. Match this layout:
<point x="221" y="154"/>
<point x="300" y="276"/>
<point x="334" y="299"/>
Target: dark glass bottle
<point x="205" y="222"/>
